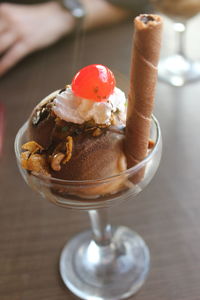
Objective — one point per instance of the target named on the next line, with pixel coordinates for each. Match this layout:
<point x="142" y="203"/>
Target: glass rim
<point x="128" y="171"/>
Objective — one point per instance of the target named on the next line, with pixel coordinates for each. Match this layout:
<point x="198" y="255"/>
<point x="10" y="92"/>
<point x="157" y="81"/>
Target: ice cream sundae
<point x="86" y="131"/>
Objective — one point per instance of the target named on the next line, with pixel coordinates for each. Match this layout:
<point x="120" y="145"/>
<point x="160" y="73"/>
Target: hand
<point x="26" y="28"/>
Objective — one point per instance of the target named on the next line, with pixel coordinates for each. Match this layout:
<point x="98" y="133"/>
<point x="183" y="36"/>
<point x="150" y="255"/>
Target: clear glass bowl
<point x="104" y="262"/>
<point x="178" y="69"/>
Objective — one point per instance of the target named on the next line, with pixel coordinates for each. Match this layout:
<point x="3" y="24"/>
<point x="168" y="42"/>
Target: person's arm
<point x="27" y="28"/>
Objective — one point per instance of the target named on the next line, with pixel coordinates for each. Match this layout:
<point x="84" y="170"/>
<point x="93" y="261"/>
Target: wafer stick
<point x="145" y="56"/>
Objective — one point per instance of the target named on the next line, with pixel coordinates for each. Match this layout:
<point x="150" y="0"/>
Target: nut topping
<point x="56" y="161"/>
<point x="69" y="148"/>
<point x="34" y="162"/>
<point x="37" y="163"/>
<point x="24" y="159"/>
<point x="97" y="132"/>
<point x="32" y="147"/>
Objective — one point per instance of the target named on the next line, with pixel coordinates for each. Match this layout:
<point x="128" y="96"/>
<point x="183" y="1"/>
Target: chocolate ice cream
<point x="76" y="138"/>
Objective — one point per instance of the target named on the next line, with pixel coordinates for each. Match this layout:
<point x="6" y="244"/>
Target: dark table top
<point x="166" y="213"/>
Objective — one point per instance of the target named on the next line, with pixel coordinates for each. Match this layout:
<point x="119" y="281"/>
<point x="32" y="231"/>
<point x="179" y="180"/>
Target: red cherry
<point x="94" y="82"/>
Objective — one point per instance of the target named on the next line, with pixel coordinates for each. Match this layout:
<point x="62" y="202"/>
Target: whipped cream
<point x="72" y="108"/>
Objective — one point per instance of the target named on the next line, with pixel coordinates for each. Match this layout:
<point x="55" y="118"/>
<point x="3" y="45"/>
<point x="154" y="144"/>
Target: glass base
<point x="178" y="71"/>
<point x="109" y="272"/>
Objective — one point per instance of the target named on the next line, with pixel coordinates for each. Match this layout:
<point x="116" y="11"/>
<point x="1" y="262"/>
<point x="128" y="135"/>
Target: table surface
<point x="166" y="213"/>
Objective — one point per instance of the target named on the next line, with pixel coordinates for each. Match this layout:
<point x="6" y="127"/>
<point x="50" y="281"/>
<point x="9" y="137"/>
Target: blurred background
<point x="166" y="214"/>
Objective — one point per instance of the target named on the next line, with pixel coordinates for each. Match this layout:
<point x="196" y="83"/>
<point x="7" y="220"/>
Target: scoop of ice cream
<point x="76" y="138"/>
<point x="96" y="152"/>
<point x="94" y="157"/>
<point x="77" y="152"/>
<point x="96" y="149"/>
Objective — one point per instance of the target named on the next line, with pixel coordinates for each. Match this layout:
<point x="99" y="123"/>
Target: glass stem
<point x="180" y="29"/>
<point x="101" y="229"/>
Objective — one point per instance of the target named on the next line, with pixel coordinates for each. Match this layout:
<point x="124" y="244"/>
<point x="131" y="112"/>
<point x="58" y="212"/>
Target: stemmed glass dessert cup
<point x="178" y="69"/>
<point x="105" y="262"/>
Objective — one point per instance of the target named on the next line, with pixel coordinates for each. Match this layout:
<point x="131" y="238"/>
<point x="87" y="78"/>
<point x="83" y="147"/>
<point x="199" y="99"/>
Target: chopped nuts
<point x="32" y="161"/>
<point x="32" y="147"/>
<point x="56" y="161"/>
<point x="24" y="159"/>
<point x="37" y="163"/>
<point x="97" y="132"/>
<point x="69" y="148"/>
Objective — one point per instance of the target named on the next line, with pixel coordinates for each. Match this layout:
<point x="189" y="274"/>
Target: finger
<point x="7" y="39"/>
<point x="12" y="57"/>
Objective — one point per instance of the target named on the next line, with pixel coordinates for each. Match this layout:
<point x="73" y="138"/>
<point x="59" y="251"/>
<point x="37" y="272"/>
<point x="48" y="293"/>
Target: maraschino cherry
<point x="94" y="82"/>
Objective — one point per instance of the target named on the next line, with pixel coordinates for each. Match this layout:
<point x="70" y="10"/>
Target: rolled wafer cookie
<point x="143" y="78"/>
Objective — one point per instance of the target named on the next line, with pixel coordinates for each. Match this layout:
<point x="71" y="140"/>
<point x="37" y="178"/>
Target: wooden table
<point x="166" y="213"/>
